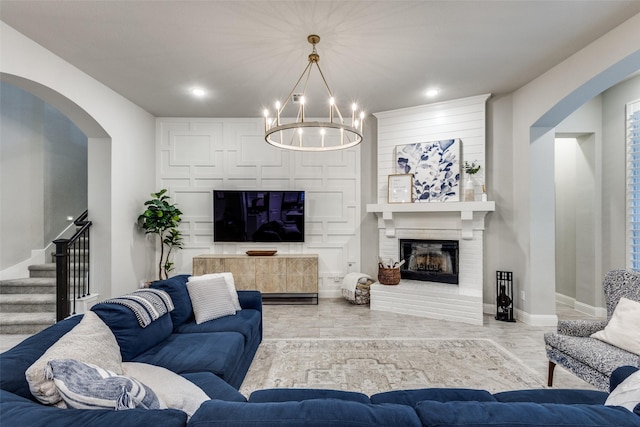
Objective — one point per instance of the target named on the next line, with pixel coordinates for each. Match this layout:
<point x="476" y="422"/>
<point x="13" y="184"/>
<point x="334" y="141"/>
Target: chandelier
<point x="337" y="133"/>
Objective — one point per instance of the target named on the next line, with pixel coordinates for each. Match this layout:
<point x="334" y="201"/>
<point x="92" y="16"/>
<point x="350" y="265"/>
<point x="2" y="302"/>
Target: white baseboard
<point x="580" y="306"/>
<point x="524" y="317"/>
<point x="21" y="269"/>
<point x="536" y="319"/>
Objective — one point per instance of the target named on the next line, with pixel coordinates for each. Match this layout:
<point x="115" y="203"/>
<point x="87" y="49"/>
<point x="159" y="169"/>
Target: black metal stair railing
<point x="72" y="268"/>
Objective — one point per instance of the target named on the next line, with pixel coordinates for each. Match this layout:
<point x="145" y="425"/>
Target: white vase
<point x="469" y="189"/>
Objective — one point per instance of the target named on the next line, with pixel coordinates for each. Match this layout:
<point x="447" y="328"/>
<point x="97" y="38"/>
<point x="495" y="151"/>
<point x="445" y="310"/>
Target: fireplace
<point x="429" y="260"/>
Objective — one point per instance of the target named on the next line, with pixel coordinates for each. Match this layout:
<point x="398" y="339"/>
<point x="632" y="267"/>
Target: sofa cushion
<point x="217" y="353"/>
<point x="87" y="386"/>
<point x="173" y="390"/>
<point x="308" y="413"/>
<point x="412" y="397"/>
<point x="496" y="414"/>
<point x="17" y="411"/>
<point x="210" y="299"/>
<point x="231" y="285"/>
<point x="300" y="394"/>
<point x="622" y="330"/>
<point x="176" y="287"/>
<point x="555" y="395"/>
<point x="133" y="338"/>
<point x="89" y="341"/>
<point x="246" y="322"/>
<point x="594" y="353"/>
<point x="17" y="360"/>
<point x="214" y="386"/>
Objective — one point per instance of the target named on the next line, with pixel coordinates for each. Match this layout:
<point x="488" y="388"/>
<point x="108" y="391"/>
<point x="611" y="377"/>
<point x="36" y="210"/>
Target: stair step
<point x="27" y="303"/>
<point x="25" y="323"/>
<point x="32" y="285"/>
<point x="42" y="270"/>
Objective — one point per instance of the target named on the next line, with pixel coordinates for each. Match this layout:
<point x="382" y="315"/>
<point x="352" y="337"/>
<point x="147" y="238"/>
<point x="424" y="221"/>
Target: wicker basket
<point x="389" y="276"/>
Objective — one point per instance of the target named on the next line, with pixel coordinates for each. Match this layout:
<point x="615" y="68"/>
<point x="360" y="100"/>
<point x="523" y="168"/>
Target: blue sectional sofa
<point x="216" y="355"/>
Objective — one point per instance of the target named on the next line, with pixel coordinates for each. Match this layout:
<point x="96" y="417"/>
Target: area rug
<point x="373" y="366"/>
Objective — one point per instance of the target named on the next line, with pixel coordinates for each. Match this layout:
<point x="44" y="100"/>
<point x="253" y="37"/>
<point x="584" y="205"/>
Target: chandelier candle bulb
<point x="331" y="102"/>
<point x="278" y="115"/>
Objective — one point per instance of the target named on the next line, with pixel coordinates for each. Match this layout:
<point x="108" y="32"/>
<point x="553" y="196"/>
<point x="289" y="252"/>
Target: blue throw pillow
<point x="87" y="386"/>
<point x="132" y="338"/>
<point x="176" y="287"/>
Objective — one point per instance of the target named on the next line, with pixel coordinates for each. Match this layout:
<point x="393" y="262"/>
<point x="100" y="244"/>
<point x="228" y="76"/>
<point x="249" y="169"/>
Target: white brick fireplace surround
<point x="463" y="221"/>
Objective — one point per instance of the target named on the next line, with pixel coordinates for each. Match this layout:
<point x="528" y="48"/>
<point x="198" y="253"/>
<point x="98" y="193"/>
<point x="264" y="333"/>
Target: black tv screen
<point x="258" y="216"/>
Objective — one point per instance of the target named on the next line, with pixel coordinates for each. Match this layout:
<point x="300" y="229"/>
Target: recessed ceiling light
<point x="432" y="92"/>
<point x="198" y="91"/>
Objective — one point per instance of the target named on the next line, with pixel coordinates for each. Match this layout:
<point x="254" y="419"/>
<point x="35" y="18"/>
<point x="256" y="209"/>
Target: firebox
<point x="429" y="260"/>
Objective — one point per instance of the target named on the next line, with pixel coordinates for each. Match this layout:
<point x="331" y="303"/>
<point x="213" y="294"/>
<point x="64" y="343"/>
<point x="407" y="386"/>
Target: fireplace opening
<point x="429" y="260"/>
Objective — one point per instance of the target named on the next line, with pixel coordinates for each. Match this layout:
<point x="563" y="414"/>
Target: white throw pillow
<point x="623" y="330"/>
<point x="173" y="390"/>
<point x="231" y="284"/>
<point x="210" y="299"/>
<point x="627" y="393"/>
<point x="89" y="341"/>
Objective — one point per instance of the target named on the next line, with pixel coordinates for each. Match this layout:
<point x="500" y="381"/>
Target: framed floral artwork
<point x="435" y="166"/>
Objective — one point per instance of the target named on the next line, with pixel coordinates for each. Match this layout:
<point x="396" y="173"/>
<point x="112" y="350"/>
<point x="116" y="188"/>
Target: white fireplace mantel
<point x="469" y="213"/>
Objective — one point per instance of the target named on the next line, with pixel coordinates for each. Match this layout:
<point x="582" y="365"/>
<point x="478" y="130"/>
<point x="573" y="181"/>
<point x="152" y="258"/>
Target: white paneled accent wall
<point x="196" y="156"/>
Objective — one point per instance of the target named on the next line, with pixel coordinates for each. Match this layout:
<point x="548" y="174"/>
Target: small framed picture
<point x="400" y="188"/>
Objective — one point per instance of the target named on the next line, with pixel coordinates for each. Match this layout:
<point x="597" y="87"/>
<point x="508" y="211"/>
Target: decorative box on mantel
<point x="471" y="214"/>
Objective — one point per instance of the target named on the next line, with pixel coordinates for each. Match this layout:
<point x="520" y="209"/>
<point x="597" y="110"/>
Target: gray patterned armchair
<point x="588" y="358"/>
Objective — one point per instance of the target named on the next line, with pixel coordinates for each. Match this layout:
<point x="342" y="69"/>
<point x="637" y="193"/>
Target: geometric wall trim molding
<point x="197" y="155"/>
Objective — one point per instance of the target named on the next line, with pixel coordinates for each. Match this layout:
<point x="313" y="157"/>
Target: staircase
<point x="28" y="305"/>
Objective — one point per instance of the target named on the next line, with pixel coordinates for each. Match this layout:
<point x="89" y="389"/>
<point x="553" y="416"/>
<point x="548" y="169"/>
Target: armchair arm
<point x="250" y="299"/>
<point x="580" y="328"/>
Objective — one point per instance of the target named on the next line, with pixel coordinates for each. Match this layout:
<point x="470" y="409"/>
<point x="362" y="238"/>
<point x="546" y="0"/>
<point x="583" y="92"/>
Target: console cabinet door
<point x="302" y="275"/>
<point x="244" y="272"/>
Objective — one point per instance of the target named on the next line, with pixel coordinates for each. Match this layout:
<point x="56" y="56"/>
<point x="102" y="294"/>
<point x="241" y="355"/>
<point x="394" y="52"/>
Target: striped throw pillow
<point x="87" y="386"/>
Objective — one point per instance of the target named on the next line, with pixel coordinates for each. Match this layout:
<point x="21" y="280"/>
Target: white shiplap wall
<point x="462" y="118"/>
<point x="196" y="155"/>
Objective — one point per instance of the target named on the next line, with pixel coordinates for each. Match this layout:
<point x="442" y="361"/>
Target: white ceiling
<point x="384" y="54"/>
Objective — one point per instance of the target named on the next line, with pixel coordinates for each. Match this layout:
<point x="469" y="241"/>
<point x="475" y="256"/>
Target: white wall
<point x="21" y="161"/>
<point x="121" y="154"/>
<point x="584" y="214"/>
<point x="44" y="151"/>
<point x="195" y="156"/>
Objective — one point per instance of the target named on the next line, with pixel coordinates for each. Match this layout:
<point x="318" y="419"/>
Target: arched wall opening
<point x="99" y="176"/>
<point x="542" y="207"/>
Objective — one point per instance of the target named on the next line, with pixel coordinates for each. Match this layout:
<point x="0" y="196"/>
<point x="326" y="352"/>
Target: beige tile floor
<point x="336" y="318"/>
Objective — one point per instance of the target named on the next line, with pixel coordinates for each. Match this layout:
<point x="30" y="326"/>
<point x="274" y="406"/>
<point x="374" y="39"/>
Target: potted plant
<point x="470" y="168"/>
<point x="162" y="218"/>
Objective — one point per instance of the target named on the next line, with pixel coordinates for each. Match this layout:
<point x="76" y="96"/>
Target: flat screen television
<point x="258" y="216"/>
